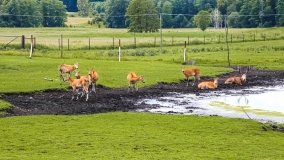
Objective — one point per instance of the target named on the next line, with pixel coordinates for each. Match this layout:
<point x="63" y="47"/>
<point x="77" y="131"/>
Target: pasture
<point x="129" y="135"/>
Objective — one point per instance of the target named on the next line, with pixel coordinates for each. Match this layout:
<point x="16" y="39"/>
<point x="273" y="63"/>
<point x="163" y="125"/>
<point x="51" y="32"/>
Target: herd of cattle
<point x="83" y="85"/>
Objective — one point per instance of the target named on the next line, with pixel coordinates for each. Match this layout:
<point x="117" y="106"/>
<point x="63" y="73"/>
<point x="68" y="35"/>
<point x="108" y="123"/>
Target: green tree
<point x="245" y="10"/>
<point x="183" y="7"/>
<point x="180" y="21"/>
<point x="54" y="13"/>
<point x="202" y="20"/>
<point x="115" y="12"/>
<point x="234" y="20"/>
<point x="167" y="9"/>
<point x="142" y="16"/>
<point x="280" y="11"/>
<point x="83" y="7"/>
<point x="21" y="13"/>
<point x="205" y="4"/>
<point x="3" y="3"/>
<point x="222" y="6"/>
<point x="255" y="9"/>
<point x="269" y="19"/>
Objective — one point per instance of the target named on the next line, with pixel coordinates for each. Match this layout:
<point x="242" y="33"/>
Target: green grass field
<point x="136" y="136"/>
<point x="133" y="135"/>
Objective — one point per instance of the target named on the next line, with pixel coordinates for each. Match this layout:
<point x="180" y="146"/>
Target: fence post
<point x="188" y="40"/>
<point x="89" y="43"/>
<point x="68" y="44"/>
<point x="264" y="37"/>
<point x="134" y="40"/>
<point x="23" y="41"/>
<point x="34" y="42"/>
<point x="31" y="50"/>
<point x="119" y="51"/>
<point x="184" y="52"/>
<point x="61" y="46"/>
<point x="112" y="42"/>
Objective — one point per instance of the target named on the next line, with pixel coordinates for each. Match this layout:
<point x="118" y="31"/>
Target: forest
<point x="175" y="13"/>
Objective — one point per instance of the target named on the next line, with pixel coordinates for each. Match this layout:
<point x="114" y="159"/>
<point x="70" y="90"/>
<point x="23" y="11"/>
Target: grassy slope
<point x="29" y="74"/>
<point x="136" y="136"/>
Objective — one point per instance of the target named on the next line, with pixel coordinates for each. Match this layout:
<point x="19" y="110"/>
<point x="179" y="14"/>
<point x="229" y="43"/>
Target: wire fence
<point x="90" y="43"/>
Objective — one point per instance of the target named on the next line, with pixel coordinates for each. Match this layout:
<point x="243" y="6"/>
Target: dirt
<point x="58" y="102"/>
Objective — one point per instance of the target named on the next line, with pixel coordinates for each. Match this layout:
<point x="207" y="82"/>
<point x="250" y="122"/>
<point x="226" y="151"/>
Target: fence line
<point x="74" y="43"/>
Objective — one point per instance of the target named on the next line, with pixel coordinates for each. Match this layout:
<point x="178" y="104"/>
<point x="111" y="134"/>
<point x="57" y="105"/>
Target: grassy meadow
<point x="133" y="135"/>
<point x="104" y="38"/>
<point x="136" y="136"/>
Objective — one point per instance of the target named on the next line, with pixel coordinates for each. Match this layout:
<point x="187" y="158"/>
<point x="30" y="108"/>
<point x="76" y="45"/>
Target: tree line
<point x="143" y="15"/>
<point x="187" y="13"/>
<point x="32" y="13"/>
<point x="180" y="13"/>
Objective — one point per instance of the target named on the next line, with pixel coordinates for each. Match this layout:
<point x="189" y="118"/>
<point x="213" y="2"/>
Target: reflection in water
<point x="246" y="102"/>
<point x="262" y="104"/>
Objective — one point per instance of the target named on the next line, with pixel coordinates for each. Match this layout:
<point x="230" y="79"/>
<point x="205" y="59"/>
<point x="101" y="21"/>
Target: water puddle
<point x="264" y="104"/>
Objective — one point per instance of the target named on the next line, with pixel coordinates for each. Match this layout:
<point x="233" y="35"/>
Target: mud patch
<point x="107" y="99"/>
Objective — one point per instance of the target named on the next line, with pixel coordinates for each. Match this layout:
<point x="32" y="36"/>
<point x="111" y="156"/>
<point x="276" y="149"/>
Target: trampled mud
<point x="107" y="99"/>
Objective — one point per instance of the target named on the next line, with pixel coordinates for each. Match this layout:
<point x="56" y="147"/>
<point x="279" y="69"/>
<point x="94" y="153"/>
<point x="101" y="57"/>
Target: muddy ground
<point x="107" y="99"/>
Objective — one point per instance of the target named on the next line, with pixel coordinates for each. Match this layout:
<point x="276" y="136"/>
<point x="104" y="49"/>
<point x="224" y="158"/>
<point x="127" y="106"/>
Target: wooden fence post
<point x="119" y="51"/>
<point x="89" y="43"/>
<point x="134" y="40"/>
<point x="184" y="52"/>
<point x="61" y="46"/>
<point x="188" y="40"/>
<point x="23" y="42"/>
<point x="112" y="42"/>
<point x="68" y="44"/>
<point x="264" y="37"/>
<point x="31" y="49"/>
<point x="34" y="42"/>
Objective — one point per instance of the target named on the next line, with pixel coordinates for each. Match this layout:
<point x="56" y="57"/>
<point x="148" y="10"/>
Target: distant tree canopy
<point x="54" y="13"/>
<point x="202" y="20"/>
<point x="18" y="13"/>
<point x="115" y="13"/>
<point x="142" y="16"/>
<point x="32" y="13"/>
<point x="83" y="7"/>
<point x="71" y="5"/>
<point x="175" y="13"/>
